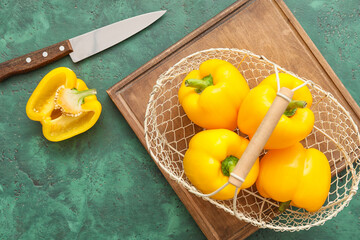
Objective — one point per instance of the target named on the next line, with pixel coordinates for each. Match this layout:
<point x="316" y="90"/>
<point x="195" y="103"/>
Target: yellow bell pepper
<point x="295" y="174"/>
<point x="211" y="96"/>
<point x="294" y="125"/>
<point x="63" y="104"/>
<point x="211" y="157"/>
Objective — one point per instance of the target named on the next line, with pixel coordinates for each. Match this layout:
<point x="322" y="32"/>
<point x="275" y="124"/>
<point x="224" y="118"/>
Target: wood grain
<point x="34" y="60"/>
<point x="265" y="27"/>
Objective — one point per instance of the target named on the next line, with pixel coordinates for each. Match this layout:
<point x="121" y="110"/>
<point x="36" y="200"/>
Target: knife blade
<point x="79" y="47"/>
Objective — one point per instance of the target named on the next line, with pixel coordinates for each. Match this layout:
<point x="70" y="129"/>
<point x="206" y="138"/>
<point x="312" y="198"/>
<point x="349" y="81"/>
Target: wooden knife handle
<point x="260" y="137"/>
<point x="34" y="60"/>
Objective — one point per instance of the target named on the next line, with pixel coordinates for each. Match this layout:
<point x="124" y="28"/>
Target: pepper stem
<point x="228" y="165"/>
<point x="284" y="205"/>
<point x="81" y="95"/>
<point x="293" y="106"/>
<point x="70" y="100"/>
<point x="200" y="84"/>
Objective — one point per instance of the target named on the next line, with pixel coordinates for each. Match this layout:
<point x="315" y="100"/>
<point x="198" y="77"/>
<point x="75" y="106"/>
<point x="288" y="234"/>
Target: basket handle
<point x="261" y="136"/>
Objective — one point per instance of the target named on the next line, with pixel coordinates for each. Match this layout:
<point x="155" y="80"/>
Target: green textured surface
<point x="102" y="184"/>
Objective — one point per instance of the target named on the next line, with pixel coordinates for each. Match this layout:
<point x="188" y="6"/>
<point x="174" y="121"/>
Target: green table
<point x="103" y="184"/>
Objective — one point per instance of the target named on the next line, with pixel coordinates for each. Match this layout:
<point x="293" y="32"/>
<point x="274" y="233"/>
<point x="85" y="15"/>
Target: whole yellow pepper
<point x="211" y="96"/>
<point x="294" y="125"/>
<point x="63" y="104"/>
<point x="295" y="174"/>
<point x="211" y="157"/>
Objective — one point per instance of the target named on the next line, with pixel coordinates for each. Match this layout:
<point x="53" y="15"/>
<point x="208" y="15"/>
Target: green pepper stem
<point x="284" y="205"/>
<point x="228" y="165"/>
<point x="81" y="95"/>
<point x="199" y="84"/>
<point x="70" y="100"/>
<point x="293" y="106"/>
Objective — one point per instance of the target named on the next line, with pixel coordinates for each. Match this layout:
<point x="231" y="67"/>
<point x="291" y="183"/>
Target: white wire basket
<point x="168" y="131"/>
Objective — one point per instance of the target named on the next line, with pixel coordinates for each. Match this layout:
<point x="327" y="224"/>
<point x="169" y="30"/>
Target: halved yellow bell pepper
<point x="63" y="104"/>
<point x="294" y="125"/>
<point x="295" y="174"/>
<point x="211" y="96"/>
<point x="211" y="157"/>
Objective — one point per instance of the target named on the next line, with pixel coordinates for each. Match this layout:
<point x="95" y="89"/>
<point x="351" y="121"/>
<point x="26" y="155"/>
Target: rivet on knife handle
<point x="34" y="60"/>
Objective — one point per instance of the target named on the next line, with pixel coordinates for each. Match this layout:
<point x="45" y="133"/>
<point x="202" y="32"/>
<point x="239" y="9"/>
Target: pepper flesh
<point x="59" y="120"/>
<point x="203" y="161"/>
<point x="213" y="103"/>
<point x="297" y="174"/>
<point x="289" y="130"/>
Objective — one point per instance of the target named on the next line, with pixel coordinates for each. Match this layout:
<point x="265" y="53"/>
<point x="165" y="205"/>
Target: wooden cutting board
<point x="265" y="27"/>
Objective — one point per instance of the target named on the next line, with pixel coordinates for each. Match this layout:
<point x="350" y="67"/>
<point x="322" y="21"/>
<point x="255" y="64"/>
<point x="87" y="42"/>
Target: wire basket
<point x="168" y="131"/>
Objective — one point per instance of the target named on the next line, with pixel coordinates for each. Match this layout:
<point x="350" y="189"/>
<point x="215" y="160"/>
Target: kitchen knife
<point x="79" y="47"/>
